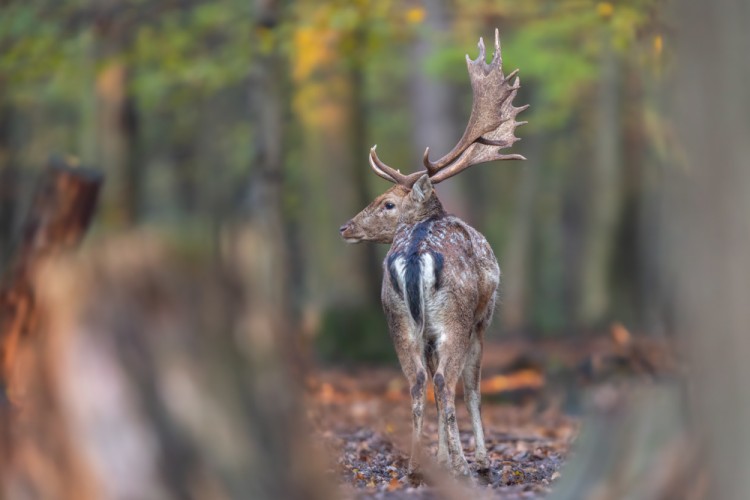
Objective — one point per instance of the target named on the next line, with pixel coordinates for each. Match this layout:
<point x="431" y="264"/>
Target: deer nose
<point x="343" y="228"/>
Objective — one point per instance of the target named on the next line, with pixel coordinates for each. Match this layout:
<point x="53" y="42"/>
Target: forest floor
<point x="531" y="414"/>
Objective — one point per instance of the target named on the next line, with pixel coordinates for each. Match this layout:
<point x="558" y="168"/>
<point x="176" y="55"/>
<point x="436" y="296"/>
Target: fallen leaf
<point x="394" y="484"/>
<point x="522" y="379"/>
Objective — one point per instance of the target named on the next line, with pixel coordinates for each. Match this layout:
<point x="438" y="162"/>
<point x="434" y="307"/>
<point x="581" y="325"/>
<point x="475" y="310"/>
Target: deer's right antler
<point x="391" y="174"/>
<point x="490" y="129"/>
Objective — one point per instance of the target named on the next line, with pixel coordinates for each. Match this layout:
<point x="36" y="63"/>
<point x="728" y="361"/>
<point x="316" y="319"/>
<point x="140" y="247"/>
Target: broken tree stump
<point x="153" y="375"/>
<point x="60" y="212"/>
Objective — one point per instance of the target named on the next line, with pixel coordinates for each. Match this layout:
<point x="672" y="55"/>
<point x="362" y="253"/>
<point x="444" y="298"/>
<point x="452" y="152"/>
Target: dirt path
<point x="363" y="420"/>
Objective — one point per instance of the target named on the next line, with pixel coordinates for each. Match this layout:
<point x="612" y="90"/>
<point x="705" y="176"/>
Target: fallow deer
<point x="440" y="275"/>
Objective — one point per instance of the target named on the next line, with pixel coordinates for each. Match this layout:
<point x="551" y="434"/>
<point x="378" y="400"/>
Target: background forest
<point x="208" y="339"/>
<point x="203" y="112"/>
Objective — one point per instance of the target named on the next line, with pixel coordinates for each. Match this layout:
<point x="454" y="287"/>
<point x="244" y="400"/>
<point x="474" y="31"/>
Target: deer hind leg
<point x="410" y="355"/>
<point x="432" y="363"/>
<point x="473" y="396"/>
<point x="451" y="357"/>
<point x="418" y="387"/>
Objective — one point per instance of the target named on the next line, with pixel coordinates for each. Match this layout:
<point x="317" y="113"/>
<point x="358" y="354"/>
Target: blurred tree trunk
<point x="641" y="450"/>
<point x="186" y="188"/>
<point x="8" y="182"/>
<point x="602" y="202"/>
<point x="708" y="263"/>
<point x="116" y="121"/>
<point x="58" y="217"/>
<point x="257" y="243"/>
<point x="359" y="148"/>
<point x="432" y="101"/>
<point x="204" y="404"/>
<point x="518" y="258"/>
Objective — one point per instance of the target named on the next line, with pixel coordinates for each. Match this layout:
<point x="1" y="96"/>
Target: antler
<point x="491" y="126"/>
<point x="391" y="174"/>
<point x="492" y="122"/>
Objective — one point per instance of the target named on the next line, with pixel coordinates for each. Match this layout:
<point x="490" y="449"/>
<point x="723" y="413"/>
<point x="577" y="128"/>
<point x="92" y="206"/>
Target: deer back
<point x="436" y="265"/>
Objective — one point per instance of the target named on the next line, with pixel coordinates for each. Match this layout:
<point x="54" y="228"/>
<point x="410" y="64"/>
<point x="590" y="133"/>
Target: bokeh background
<point x="196" y="109"/>
<point x="214" y="316"/>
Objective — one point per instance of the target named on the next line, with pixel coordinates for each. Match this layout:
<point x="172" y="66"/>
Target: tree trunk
<point x="9" y="183"/>
<point x="603" y="198"/>
<point x="59" y="215"/>
<point x="256" y="244"/>
<point x="150" y="378"/>
<point x="708" y="264"/>
<point x="370" y="262"/>
<point x="518" y="258"/>
<point x="116" y="120"/>
<point x="432" y="103"/>
<point x="693" y="443"/>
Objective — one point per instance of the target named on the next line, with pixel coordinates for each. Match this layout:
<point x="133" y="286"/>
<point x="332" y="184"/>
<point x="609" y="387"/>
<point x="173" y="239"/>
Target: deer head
<point x="491" y="128"/>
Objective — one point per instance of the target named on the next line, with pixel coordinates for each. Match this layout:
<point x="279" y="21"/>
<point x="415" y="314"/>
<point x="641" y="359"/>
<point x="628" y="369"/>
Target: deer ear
<point x="422" y="189"/>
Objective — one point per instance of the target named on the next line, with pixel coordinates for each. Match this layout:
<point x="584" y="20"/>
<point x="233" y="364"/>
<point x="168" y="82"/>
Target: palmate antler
<point x="491" y="126"/>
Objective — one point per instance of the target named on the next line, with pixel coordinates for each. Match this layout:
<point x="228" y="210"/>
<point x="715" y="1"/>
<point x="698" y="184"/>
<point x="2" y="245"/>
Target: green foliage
<point x="355" y="334"/>
<point x="559" y="46"/>
<point x="189" y="67"/>
<point x="182" y="56"/>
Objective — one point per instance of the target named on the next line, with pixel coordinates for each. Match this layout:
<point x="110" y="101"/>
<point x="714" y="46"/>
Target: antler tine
<point x="375" y="163"/>
<point x="432" y="169"/>
<point x="391" y="174"/>
<point x="497" y="56"/>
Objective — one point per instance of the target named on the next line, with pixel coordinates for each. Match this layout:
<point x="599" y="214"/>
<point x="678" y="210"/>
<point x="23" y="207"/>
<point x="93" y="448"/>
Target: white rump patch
<point x="399" y="266"/>
<point x="427" y="272"/>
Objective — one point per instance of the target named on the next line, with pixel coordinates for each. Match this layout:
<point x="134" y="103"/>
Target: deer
<point x="440" y="276"/>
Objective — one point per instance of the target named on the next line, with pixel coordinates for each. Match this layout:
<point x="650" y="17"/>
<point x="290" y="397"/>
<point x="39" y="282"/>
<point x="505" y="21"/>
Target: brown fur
<point x="457" y="278"/>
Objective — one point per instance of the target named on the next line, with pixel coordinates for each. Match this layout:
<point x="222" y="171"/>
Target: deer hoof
<point x="414" y="473"/>
<point x="461" y="468"/>
<point x="482" y="464"/>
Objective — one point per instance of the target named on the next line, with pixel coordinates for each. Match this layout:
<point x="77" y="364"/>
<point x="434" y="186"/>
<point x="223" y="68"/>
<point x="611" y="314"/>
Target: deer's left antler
<point x="491" y="126"/>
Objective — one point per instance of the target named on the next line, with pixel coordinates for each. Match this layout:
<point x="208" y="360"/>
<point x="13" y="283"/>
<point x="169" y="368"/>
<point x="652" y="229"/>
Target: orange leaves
<point x="620" y="334"/>
<point x="314" y="48"/>
<point x="605" y="9"/>
<point x="318" y="99"/>
<point x="521" y="379"/>
<point x="394" y="484"/>
<point x="658" y="45"/>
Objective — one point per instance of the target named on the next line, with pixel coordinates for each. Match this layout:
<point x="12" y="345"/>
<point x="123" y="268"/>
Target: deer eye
<point x="389" y="205"/>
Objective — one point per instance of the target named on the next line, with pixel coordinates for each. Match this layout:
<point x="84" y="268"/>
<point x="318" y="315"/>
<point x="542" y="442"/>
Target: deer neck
<point x="432" y="209"/>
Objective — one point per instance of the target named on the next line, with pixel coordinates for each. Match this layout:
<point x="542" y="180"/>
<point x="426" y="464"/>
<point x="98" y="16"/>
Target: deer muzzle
<point x="350" y="233"/>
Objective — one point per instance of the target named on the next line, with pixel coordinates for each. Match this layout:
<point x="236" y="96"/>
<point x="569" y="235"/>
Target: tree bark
<point x="151" y="377"/>
<point x="518" y="259"/>
<point x="708" y="264"/>
<point x="691" y="440"/>
<point x="9" y="180"/>
<point x="604" y="197"/>
<point x="432" y="103"/>
<point x="359" y="147"/>
<point x="116" y="119"/>
<point x="59" y="215"/>
<point x="256" y="242"/>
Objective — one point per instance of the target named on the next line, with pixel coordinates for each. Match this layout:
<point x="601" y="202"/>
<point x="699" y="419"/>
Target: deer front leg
<point x="473" y="395"/>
